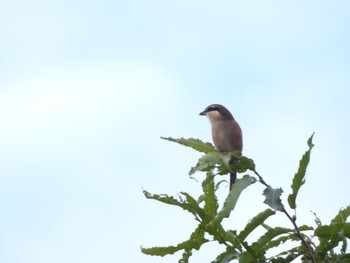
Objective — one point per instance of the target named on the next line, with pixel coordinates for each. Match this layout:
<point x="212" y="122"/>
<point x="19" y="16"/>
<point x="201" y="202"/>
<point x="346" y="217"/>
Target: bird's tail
<point x="233" y="177"/>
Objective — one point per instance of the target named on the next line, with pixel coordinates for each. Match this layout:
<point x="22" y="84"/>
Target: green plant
<point x="209" y="214"/>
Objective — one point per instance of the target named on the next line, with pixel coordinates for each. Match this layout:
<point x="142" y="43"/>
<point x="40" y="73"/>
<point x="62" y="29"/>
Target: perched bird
<point x="226" y="133"/>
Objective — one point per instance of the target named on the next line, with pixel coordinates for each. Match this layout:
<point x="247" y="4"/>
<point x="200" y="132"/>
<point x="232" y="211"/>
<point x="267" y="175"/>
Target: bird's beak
<point x="203" y="113"/>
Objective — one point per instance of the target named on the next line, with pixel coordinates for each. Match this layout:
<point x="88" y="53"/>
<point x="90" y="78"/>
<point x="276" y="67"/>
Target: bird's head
<point x="217" y="112"/>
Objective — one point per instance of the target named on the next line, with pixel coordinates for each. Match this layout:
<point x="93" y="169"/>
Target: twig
<point x="293" y="220"/>
<point x="299" y="234"/>
<point x="261" y="179"/>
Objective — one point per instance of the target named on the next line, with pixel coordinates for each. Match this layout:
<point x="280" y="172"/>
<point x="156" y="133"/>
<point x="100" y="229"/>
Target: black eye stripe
<point x="213" y="109"/>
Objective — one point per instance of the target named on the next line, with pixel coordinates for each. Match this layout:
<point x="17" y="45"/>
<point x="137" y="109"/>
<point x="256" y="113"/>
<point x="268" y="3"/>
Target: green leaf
<point x="341" y="230"/>
<point x="231" y="236"/>
<point x="259" y="246"/>
<point x="305" y="228"/>
<point x="290" y="251"/>
<point x="247" y="257"/>
<point x="195" y="144"/>
<point x="189" y="204"/>
<point x="232" y="198"/>
<point x="254" y="223"/>
<point x="227" y="256"/>
<point x="330" y="236"/>
<point x="298" y="179"/>
<point x="160" y="251"/>
<point x="344" y="246"/>
<point x="185" y="256"/>
<point x="241" y="164"/>
<point x="195" y="242"/>
<point x="277" y="242"/>
<point x="250" y="254"/>
<point x="195" y="208"/>
<point x="164" y="199"/>
<point x="273" y="198"/>
<point x="345" y="258"/>
<point x="291" y="256"/>
<point x="280" y="240"/>
<point x="210" y="200"/>
<point x="208" y="162"/>
<point x="341" y="216"/>
<point x="224" y="162"/>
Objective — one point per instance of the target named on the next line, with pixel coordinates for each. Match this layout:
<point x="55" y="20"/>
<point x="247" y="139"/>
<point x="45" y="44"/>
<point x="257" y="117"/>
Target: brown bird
<point x="226" y="133"/>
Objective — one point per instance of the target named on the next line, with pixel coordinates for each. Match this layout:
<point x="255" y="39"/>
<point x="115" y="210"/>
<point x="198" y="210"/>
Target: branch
<point x="307" y="246"/>
<point x="293" y="220"/>
<point x="261" y="180"/>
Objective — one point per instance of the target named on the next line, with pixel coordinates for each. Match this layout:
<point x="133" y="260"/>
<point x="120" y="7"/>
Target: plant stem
<point x="308" y="249"/>
<point x="299" y="235"/>
<point x="261" y="179"/>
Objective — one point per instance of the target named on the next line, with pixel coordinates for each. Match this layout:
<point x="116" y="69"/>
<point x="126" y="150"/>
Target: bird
<point x="226" y="132"/>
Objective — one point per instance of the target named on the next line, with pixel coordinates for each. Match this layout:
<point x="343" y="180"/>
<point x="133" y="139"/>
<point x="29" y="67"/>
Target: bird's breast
<point x="227" y="136"/>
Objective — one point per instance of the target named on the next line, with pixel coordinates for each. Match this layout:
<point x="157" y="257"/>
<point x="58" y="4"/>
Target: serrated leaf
<point x="235" y="162"/>
<point x="280" y="240"/>
<point x="207" y="162"/>
<point x="227" y="256"/>
<point x="160" y="251"/>
<point x="277" y="242"/>
<point x="273" y="198"/>
<point x="291" y="256"/>
<point x="254" y="223"/>
<point x="345" y="258"/>
<point x="210" y="200"/>
<point x="232" y="198"/>
<point x="344" y="246"/>
<point x="231" y="236"/>
<point x="195" y="242"/>
<point x="194" y="205"/>
<point x="298" y="179"/>
<point x="259" y="245"/>
<point x="189" y="204"/>
<point x="330" y="236"/>
<point x="342" y="230"/>
<point x="196" y="144"/>
<point x="249" y="256"/>
<point x="224" y="162"/>
<point x="241" y="164"/>
<point x="306" y="228"/>
<point x="185" y="256"/>
<point x="246" y="258"/>
<point x="341" y="216"/>
<point x="289" y="251"/>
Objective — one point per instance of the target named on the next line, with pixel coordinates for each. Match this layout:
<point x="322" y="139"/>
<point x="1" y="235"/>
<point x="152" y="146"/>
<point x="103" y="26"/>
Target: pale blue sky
<point x="88" y="87"/>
